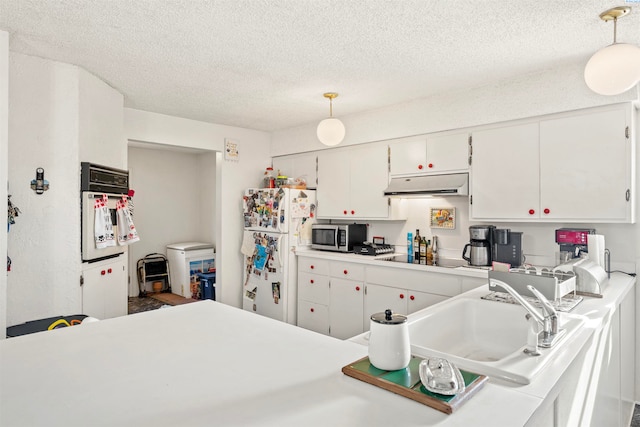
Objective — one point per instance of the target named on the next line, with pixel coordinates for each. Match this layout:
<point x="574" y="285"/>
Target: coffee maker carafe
<point x="480" y="245"/>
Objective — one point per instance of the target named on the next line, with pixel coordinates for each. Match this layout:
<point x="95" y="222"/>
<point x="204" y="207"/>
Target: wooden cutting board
<point x="406" y="382"/>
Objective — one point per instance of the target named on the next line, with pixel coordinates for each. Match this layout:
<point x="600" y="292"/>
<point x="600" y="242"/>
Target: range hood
<point x="455" y="184"/>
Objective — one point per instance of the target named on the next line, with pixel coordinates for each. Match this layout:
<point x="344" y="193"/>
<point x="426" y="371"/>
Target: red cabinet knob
<point x="311" y="267"/>
<point x="531" y="211"/>
<point x="546" y="211"/>
<point x="312" y="310"/>
<point x="345" y="272"/>
<point x="102" y="273"/>
<point x="412" y="297"/>
<point x="109" y="271"/>
<point x="311" y="281"/>
<point x="420" y="166"/>
<point x="401" y="296"/>
<point x="430" y="165"/>
<point x="357" y="288"/>
<point x="353" y="212"/>
<point x="344" y="212"/>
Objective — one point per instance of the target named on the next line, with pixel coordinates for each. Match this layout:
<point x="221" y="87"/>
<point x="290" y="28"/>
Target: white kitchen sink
<point x="485" y="337"/>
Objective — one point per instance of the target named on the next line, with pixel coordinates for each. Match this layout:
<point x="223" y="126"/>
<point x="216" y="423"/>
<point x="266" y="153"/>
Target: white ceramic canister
<point x="389" y="347"/>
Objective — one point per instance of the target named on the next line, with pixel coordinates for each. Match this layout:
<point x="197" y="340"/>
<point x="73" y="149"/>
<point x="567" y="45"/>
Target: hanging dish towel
<point x="127" y="233"/>
<point x="103" y="228"/>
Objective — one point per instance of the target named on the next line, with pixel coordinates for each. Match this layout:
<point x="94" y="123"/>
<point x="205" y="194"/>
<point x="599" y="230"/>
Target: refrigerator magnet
<point x="275" y="289"/>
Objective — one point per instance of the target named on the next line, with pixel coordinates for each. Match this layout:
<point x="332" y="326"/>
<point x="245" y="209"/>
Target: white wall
<point x="231" y="180"/>
<point x="44" y="242"/>
<point x="46" y="130"/>
<point x="4" y="134"/>
<point x="172" y="202"/>
<point x="555" y="90"/>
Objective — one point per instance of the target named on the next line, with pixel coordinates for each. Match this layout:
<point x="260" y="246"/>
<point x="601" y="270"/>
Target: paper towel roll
<point x="595" y="247"/>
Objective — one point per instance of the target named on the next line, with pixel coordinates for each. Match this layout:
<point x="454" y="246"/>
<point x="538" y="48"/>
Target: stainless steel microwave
<point x="339" y="238"/>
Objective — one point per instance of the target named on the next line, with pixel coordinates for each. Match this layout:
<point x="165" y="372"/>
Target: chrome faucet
<point x="550" y="333"/>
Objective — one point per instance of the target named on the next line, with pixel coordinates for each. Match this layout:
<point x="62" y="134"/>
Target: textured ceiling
<point x="264" y="64"/>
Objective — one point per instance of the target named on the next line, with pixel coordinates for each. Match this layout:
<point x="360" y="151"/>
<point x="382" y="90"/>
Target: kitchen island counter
<point x="205" y="364"/>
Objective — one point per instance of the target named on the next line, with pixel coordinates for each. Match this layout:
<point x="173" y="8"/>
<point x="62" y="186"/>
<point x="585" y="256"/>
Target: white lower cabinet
<point x="338" y="298"/>
<point x="379" y="298"/>
<point x="105" y="289"/>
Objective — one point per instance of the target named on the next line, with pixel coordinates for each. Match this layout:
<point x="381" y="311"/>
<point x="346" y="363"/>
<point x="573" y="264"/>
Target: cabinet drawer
<point x="416" y="280"/>
<point x="347" y="270"/>
<point x="313" y="287"/>
<point x="313" y="265"/>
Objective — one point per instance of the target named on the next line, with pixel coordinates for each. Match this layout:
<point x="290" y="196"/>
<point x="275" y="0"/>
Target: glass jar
<point x="269" y="178"/>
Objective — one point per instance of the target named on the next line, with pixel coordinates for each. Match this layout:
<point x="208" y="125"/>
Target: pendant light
<point x="331" y="130"/>
<point x="616" y="68"/>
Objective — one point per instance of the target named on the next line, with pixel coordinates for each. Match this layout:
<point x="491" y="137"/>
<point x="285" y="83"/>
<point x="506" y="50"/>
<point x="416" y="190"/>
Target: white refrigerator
<point x="276" y="222"/>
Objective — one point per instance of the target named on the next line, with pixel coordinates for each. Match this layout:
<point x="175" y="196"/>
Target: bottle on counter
<point x="410" y="247"/>
<point x="423" y="251"/>
<point x="416" y="247"/>
<point x="434" y="249"/>
<point x="429" y="253"/>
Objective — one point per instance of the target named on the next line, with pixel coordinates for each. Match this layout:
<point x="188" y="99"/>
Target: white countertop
<point x="206" y="363"/>
<point x="378" y="260"/>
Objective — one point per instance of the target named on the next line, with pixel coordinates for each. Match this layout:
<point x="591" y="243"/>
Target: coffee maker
<point x="480" y="245"/>
<point x="507" y="247"/>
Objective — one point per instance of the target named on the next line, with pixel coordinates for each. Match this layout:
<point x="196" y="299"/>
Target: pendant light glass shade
<point x="330" y="131"/>
<point x="614" y="69"/>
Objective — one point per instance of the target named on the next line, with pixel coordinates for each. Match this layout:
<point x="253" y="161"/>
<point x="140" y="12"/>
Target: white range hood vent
<point x="455" y="184"/>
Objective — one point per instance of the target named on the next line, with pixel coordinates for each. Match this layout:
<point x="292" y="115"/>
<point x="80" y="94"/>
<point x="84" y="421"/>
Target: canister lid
<point x="388" y="318"/>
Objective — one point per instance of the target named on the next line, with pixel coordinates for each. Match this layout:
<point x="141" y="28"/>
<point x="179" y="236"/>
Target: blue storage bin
<point x="207" y="285"/>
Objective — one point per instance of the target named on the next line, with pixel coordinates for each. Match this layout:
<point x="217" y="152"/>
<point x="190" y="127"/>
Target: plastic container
<point x="269" y="180"/>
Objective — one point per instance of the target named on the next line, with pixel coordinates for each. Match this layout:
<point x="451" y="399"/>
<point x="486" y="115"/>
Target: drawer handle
<point x="531" y="211"/>
<point x="311" y="281"/>
<point x="345" y="272"/>
<point x="102" y="273"/>
<point x="546" y="211"/>
<point x="420" y="167"/>
<point x="353" y="212"/>
<point x="312" y="310"/>
<point x="411" y="297"/>
<point x="430" y="165"/>
<point x="311" y="267"/>
<point x="109" y="271"/>
<point x="401" y="296"/>
<point x="357" y="288"/>
<point x="344" y="212"/>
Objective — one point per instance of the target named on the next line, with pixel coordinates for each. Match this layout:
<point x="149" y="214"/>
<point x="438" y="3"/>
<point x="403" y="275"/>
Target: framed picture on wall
<point x="443" y="218"/>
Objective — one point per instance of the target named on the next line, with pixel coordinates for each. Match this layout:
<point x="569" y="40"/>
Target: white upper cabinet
<point x="505" y="173"/>
<point x="574" y="166"/>
<point x="440" y="153"/>
<point x="585" y="166"/>
<point x="298" y="166"/>
<point x="351" y="182"/>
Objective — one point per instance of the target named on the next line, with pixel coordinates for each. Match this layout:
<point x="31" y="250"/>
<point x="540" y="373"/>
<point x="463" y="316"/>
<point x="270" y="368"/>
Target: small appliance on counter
<point x="488" y="244"/>
<point x="480" y="244"/>
<point x="374" y="249"/>
<point x="338" y="238"/>
<point x="582" y="252"/>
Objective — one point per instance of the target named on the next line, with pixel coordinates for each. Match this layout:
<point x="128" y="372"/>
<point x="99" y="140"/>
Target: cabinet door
<point x="448" y="153"/>
<point x="379" y="298"/>
<point x="346" y="308"/>
<point x="298" y="166"/>
<point x="314" y="317"/>
<point x="334" y="189"/>
<point x="408" y="156"/>
<point x="585" y="167"/>
<point x="419" y="300"/>
<point x="369" y="179"/>
<point x="104" y="291"/>
<point x="505" y="173"/>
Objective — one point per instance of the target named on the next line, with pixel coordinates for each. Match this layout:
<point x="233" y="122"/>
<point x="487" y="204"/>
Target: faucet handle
<point x="547" y="307"/>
